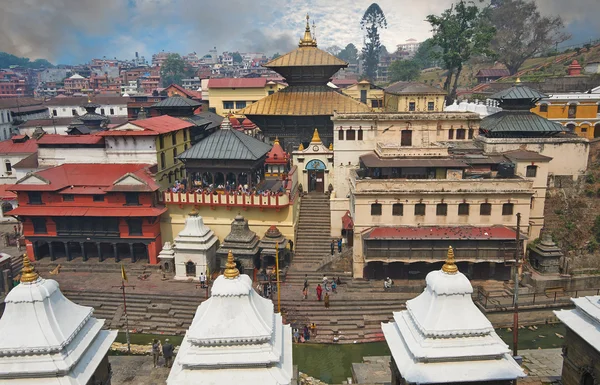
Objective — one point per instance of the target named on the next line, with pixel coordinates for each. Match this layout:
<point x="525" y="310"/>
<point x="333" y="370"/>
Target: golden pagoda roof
<point x="450" y="265"/>
<point x="316" y="138"/>
<point x="307" y="40"/>
<point x="305" y="101"/>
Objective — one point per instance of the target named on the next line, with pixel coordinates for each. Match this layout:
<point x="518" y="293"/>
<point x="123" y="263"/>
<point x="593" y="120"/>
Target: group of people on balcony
<point x="228" y="188"/>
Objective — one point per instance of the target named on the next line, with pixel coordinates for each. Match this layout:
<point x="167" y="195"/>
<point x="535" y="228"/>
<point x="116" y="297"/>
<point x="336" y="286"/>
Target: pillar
<point x="470" y="270"/>
<point x="83" y="256"/>
<point x="35" y="250"/>
<point x="67" y="252"/>
<point x="131" y="254"/>
<point x="153" y="249"/>
<point x="116" y="255"/>
<point x="30" y="251"/>
<point x="99" y="247"/>
<point x="51" y="251"/>
<point x="492" y="270"/>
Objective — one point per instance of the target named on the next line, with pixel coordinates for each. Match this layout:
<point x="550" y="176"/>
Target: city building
<point x="229" y="96"/>
<point x="191" y="84"/>
<point x="6" y="125"/>
<point x="76" y="84"/>
<point x="90" y="211"/>
<point x="69" y="107"/>
<point x="235" y="338"/>
<point x="12" y="151"/>
<point x="159" y="58"/>
<point x="443" y="338"/>
<point x="365" y="92"/>
<point x="411" y="46"/>
<point x="177" y="90"/>
<point x="413" y="97"/>
<point x="46" y="339"/>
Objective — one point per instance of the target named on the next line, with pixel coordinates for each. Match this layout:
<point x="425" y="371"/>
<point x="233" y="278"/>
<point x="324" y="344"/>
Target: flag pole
<point x="122" y="287"/>
<point x="277" y="271"/>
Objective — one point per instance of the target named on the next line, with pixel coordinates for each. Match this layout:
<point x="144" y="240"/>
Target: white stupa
<point x="235" y="338"/>
<point x="195" y="248"/>
<point x="442" y="337"/>
<point x="584" y="320"/>
<point x="46" y="339"/>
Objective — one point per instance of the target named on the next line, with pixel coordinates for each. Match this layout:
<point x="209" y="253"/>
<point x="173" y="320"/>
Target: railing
<point x="503" y="301"/>
<point x="227" y="199"/>
<point x="393" y="150"/>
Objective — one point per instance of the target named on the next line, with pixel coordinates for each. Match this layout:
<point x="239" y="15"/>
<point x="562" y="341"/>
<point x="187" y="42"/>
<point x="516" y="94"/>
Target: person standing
<point x="332" y="247"/>
<point x="339" y="244"/>
<point x="306" y="333"/>
<point x="168" y="353"/>
<point x="305" y="281"/>
<point x="305" y="293"/>
<point x="155" y="351"/>
<point x="202" y="281"/>
<point x="319" y="292"/>
<point x="333" y="286"/>
<point x="326" y="300"/>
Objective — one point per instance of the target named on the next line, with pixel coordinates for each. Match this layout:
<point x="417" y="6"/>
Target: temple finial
<point x="450" y="265"/>
<point x="28" y="273"/>
<point x="231" y="270"/>
<point x="518" y="81"/>
<point x="307" y="40"/>
<point x="276" y="142"/>
<point x="301" y="147"/>
<point x="316" y="138"/>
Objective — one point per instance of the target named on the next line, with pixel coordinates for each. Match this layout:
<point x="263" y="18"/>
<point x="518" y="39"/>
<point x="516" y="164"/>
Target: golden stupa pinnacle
<point x="276" y="142"/>
<point x="231" y="270"/>
<point x="28" y="273"/>
<point x="301" y="147"/>
<point x="307" y="40"/>
<point x="518" y="81"/>
<point x="316" y="138"/>
<point x="331" y="146"/>
<point x="450" y="267"/>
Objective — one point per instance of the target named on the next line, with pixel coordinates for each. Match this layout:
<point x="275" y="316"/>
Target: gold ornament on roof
<point x="307" y="40"/>
<point x="231" y="270"/>
<point x="330" y="146"/>
<point x="301" y="147"/>
<point x="276" y="142"/>
<point x="316" y="138"/>
<point x="28" y="273"/>
<point x="518" y="81"/>
<point x="450" y="265"/>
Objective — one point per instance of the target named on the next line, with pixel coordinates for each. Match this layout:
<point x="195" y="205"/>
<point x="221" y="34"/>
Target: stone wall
<point x="579" y="358"/>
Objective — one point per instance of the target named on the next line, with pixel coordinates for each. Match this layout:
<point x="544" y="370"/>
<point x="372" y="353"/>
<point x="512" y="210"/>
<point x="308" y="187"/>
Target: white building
<point x="235" y="338"/>
<point x="195" y="249"/>
<point x="13" y="151"/>
<point x="131" y="88"/>
<point x="411" y="46"/>
<point x="46" y="339"/>
<point x="5" y="124"/>
<point x="111" y="106"/>
<point x="442" y="337"/>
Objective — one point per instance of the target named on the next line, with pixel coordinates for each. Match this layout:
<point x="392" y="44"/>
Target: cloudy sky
<point x="73" y="31"/>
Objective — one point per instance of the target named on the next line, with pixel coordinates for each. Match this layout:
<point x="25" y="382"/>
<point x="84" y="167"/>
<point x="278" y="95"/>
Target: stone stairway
<point x="314" y="228"/>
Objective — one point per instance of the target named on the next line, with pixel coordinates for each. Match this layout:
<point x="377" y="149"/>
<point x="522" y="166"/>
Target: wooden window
<point x="98" y="198"/>
<point x="68" y="198"/>
<point x="174" y="138"/>
<point x="360" y="134"/>
<point x="341" y="134"/>
<point x="135" y="226"/>
<point x="451" y="133"/>
<point x="508" y="208"/>
<point x="185" y="135"/>
<point x="406" y="138"/>
<point x="471" y="133"/>
<point x="350" y="135"/>
<point x="112" y="111"/>
<point x="35" y="197"/>
<point x="74" y="112"/>
<point x="376" y="103"/>
<point x="228" y="105"/>
<point x="39" y="225"/>
<point x="8" y="166"/>
<point x="102" y="111"/>
<point x="161" y="141"/>
<point x="412" y="106"/>
<point x="463" y="209"/>
<point x="441" y="209"/>
<point x="132" y="199"/>
<point x="420" y="209"/>
<point x="531" y="171"/>
<point x="240" y="105"/>
<point x="397" y="209"/>
<point x="376" y="209"/>
<point x="54" y="113"/>
<point x="363" y="96"/>
<point x="430" y="106"/>
<point x="174" y="155"/>
<point x="460" y="133"/>
<point x="485" y="209"/>
<point x="162" y="160"/>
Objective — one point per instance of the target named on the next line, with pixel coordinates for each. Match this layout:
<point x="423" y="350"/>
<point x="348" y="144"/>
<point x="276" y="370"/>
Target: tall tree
<point x="371" y="22"/>
<point x="173" y="70"/>
<point x="404" y="70"/>
<point x="462" y="31"/>
<point x="522" y="33"/>
<point x="237" y="58"/>
<point x="334" y="50"/>
<point x="349" y="54"/>
<point x="426" y="54"/>
<point x="275" y="56"/>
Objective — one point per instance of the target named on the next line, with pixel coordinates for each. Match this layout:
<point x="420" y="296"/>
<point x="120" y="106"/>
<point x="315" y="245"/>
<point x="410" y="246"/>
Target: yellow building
<point x="228" y="96"/>
<point x="413" y="97"/>
<point x="578" y="112"/>
<point x="157" y="140"/>
<point x="366" y="93"/>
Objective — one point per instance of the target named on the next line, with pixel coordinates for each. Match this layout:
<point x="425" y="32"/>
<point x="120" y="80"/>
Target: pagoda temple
<point x="273" y="243"/>
<point x="46" y="339"/>
<point x="89" y="122"/>
<point x="235" y="338"/>
<point x="442" y="337"/>
<point x="243" y="242"/>
<point x="195" y="248"/>
<point x="308" y="102"/>
<point x="277" y="162"/>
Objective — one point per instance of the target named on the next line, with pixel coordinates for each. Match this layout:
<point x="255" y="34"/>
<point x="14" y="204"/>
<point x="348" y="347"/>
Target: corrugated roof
<point x="372" y="160"/>
<point x="215" y="119"/>
<point x="306" y="57"/>
<point x="176" y="101"/>
<point x="519" y="121"/>
<point x="441" y="232"/>
<point x="70" y="139"/>
<point x="413" y="88"/>
<point x="227" y="144"/>
<point x="38" y="211"/>
<point x="518" y="92"/>
<point x="237" y="83"/>
<point x="492" y="72"/>
<point x="305" y="100"/>
<point x="525" y="155"/>
<point x="17" y="146"/>
<point x="152" y="126"/>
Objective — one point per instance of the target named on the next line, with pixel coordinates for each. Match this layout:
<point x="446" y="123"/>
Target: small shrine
<point x="545" y="256"/>
<point x="272" y="239"/>
<point x="315" y="161"/>
<point x="235" y="338"/>
<point x="243" y="242"/>
<point x="166" y="258"/>
<point x="46" y="339"/>
<point x="89" y="122"/>
<point x="442" y="337"/>
<point x="195" y="249"/>
<point x="277" y="162"/>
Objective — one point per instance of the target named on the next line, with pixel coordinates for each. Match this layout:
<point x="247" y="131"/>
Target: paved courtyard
<point x="542" y="366"/>
<point x="137" y="370"/>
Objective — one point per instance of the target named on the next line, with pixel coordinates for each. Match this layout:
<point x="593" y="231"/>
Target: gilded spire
<point x="518" y="81"/>
<point x="450" y="267"/>
<point x="231" y="270"/>
<point x="28" y="273"/>
<point x="276" y="142"/>
<point x="316" y="138"/>
<point x="307" y="40"/>
<point x="331" y="146"/>
<point x="301" y="147"/>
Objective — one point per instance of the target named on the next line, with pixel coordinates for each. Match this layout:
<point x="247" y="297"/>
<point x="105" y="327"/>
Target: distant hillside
<point x="7" y="60"/>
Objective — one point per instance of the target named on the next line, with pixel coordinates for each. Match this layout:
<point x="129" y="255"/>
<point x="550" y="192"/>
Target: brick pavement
<point x="543" y="366"/>
<point x="137" y="370"/>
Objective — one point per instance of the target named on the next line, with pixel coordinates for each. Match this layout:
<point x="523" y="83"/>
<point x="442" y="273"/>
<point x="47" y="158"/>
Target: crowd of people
<point x="167" y="350"/>
<point x="229" y="188"/>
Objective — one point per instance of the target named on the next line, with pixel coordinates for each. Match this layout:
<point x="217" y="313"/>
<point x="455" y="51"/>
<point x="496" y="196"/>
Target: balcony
<point x="224" y="199"/>
<point x="394" y="150"/>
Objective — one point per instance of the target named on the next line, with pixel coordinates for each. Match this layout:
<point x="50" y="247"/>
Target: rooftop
<point x="492" y="72"/>
<point x="518" y="92"/>
<point x="519" y="122"/>
<point x="50" y="139"/>
<point x="147" y="127"/>
<point x="409" y="88"/>
<point x="442" y="232"/>
<point x="237" y="83"/>
<point x="227" y="144"/>
<point x="176" y="101"/>
<point x="18" y="145"/>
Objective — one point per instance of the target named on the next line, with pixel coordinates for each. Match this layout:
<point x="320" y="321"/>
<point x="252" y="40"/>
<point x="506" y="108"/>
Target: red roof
<point x="277" y="155"/>
<point x="347" y="222"/>
<point x="152" y="126"/>
<point x="88" y="175"/>
<point x="70" y="139"/>
<point x="37" y="211"/>
<point x="248" y="124"/>
<point x="17" y="145"/>
<point x="235" y="123"/>
<point x="492" y="72"/>
<point x="188" y="93"/>
<point x="441" y="232"/>
<point x="237" y="83"/>
<point x="6" y="195"/>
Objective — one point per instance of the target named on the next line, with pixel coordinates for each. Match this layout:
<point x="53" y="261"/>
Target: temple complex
<point x="307" y="102"/>
<point x="316" y="162"/>
<point x="46" y="339"/>
<point x="195" y="249"/>
<point x="273" y="243"/>
<point x="442" y="337"/>
<point x="243" y="242"/>
<point x="235" y="338"/>
<point x="277" y="163"/>
<point x="88" y="122"/>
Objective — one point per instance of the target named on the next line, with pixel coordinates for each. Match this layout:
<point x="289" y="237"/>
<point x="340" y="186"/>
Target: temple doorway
<point x="190" y="269"/>
<point x="316" y="181"/>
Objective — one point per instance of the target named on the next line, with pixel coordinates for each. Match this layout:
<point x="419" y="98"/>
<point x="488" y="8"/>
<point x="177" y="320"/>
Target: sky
<point x="75" y="31"/>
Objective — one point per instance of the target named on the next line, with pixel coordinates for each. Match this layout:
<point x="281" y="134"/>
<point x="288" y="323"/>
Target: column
<point x="470" y="270"/>
<point x="67" y="253"/>
<point x="99" y="247"/>
<point x="492" y="270"/>
<point x="116" y="255"/>
<point x="131" y="254"/>
<point x="36" y="254"/>
<point x="83" y="256"/>
<point x="51" y="251"/>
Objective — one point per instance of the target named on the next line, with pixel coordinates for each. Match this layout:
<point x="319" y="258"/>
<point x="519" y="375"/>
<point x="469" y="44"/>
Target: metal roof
<point x="227" y="144"/>
<point x="176" y="101"/>
<point x="413" y="88"/>
<point x="518" y="92"/>
<point x="492" y="72"/>
<point x="305" y="100"/>
<point x="215" y="119"/>
<point x="519" y="121"/>
<point x="305" y="57"/>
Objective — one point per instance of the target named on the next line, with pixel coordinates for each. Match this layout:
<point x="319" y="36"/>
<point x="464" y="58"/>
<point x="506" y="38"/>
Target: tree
<point x="522" y="33"/>
<point x="462" y="31"/>
<point x="275" y="56"/>
<point x="334" y="50"/>
<point x="372" y="21"/>
<point x="426" y="54"/>
<point x="349" y="54"/>
<point x="173" y="70"/>
<point x="404" y="70"/>
<point x="237" y="58"/>
<point x="7" y="60"/>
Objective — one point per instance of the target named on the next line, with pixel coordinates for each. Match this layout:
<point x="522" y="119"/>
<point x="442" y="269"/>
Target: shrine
<point x="195" y="249"/>
<point x="315" y="161"/>
<point x="244" y="244"/>
<point x="274" y="243"/>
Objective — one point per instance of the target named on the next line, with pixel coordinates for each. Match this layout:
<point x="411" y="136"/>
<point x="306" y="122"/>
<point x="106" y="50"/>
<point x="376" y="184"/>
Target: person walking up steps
<point x="339" y="244"/>
<point x="319" y="292"/>
<point x="332" y="247"/>
<point x="326" y="300"/>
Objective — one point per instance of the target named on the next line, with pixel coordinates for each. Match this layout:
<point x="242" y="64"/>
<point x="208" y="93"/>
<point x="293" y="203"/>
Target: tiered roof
<point x="195" y="235"/>
<point x="227" y="144"/>
<point x="272" y="239"/>
<point x="277" y="155"/>
<point x="242" y="240"/>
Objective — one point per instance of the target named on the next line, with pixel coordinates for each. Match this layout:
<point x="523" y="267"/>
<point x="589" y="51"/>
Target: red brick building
<point x="90" y="211"/>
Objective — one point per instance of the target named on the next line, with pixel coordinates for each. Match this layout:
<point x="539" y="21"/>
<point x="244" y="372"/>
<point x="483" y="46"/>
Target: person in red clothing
<point x="319" y="292"/>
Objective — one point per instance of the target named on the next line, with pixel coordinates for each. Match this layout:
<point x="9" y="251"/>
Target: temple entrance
<point x="316" y="181"/>
<point x="190" y="269"/>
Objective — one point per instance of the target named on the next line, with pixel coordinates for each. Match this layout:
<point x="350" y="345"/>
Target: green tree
<point x="349" y="54"/>
<point x="522" y="33"/>
<point x="427" y="54"/>
<point x="334" y="50"/>
<point x="404" y="70"/>
<point x="7" y="60"/>
<point x="275" y="56"/>
<point x="461" y="32"/>
<point x="371" y="22"/>
<point x="173" y="70"/>
<point x="237" y="58"/>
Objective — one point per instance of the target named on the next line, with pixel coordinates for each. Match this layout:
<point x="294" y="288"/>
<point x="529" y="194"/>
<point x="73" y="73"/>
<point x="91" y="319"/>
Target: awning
<point x="372" y="160"/>
<point x="41" y="211"/>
